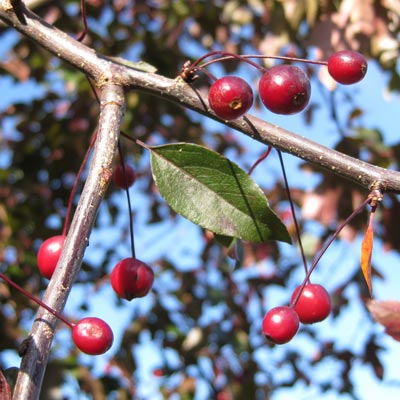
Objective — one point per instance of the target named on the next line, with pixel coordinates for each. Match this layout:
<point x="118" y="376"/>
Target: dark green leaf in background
<point x="211" y="191"/>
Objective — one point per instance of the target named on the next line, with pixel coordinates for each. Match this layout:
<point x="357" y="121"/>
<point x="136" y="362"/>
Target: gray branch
<point x="364" y="174"/>
<point x="38" y="344"/>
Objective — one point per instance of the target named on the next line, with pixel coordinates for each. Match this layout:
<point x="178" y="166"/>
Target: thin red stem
<point x="36" y="300"/>
<point x="260" y="56"/>
<point x="93" y="89"/>
<point x="72" y="195"/>
<point x="297" y="228"/>
<point x="326" y="246"/>
<point x="84" y="20"/>
<point x="74" y="188"/>
<point x="210" y="76"/>
<point x="202" y="58"/>
<point x="128" y="197"/>
<point x="229" y="56"/>
<point x="262" y="158"/>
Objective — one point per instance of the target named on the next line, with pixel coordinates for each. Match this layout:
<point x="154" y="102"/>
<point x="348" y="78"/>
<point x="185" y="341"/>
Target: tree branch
<point x="34" y="362"/>
<point x="104" y="70"/>
<point x="364" y="174"/>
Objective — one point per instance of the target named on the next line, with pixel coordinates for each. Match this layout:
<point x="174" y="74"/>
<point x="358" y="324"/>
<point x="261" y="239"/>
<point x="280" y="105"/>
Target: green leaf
<point x="213" y="192"/>
<point x="225" y="241"/>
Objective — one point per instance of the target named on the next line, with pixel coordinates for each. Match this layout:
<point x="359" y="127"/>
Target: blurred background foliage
<point x="203" y="317"/>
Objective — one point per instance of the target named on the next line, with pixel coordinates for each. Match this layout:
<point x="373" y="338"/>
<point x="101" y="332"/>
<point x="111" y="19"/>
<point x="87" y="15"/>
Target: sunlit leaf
<point x="311" y="11"/>
<point x="366" y="253"/>
<point x="213" y="192"/>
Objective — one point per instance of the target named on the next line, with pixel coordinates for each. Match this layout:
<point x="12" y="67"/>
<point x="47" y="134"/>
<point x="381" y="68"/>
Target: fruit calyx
<point x="230" y="97"/>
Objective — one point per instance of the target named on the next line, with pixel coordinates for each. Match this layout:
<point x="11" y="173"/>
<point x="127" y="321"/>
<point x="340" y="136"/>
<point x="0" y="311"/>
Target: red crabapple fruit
<point x="230" y="97"/>
<point x="124" y="180"/>
<point x="49" y="254"/>
<point x="313" y="305"/>
<point x="285" y="89"/>
<point x="131" y="278"/>
<point x="92" y="336"/>
<point x="347" y="67"/>
<point x="280" y="324"/>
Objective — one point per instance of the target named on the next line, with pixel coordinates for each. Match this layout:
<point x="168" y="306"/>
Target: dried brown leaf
<point x="366" y="254"/>
<point x="387" y="313"/>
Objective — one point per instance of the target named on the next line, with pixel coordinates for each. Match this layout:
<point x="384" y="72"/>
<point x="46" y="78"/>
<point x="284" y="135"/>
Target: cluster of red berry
<point x="308" y="304"/>
<point x="130" y="278"/>
<point x="283" y="89"/>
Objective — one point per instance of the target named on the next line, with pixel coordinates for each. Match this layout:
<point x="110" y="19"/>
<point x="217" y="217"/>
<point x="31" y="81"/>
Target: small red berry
<point x="92" y="335"/>
<point x="131" y="278"/>
<point x="49" y="254"/>
<point x="124" y="180"/>
<point x="314" y="303"/>
<point x="347" y="67"/>
<point x="280" y="324"/>
<point x="285" y="89"/>
<point x="158" y="372"/>
<point x="223" y="396"/>
<point x="230" y="97"/>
